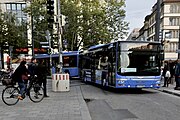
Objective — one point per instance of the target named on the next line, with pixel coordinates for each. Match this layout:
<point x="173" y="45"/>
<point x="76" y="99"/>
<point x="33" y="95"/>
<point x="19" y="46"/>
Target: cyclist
<point x="21" y="76"/>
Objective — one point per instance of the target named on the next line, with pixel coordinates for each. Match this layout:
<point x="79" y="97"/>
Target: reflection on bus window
<point x="103" y="63"/>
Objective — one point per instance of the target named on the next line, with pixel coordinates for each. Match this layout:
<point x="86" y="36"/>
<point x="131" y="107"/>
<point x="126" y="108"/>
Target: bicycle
<point x="34" y="91"/>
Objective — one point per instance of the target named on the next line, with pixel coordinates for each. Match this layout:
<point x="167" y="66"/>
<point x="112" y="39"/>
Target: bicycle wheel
<point x="36" y="93"/>
<point x="10" y="94"/>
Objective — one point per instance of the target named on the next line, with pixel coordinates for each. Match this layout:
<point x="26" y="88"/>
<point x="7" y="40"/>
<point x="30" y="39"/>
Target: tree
<point x="94" y="21"/>
<point x="91" y="20"/>
<point x="11" y="34"/>
<point x="37" y="9"/>
<point x="85" y="20"/>
<point x="115" y="19"/>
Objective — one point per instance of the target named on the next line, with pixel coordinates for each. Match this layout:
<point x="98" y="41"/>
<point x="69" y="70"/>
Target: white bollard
<point x="60" y="82"/>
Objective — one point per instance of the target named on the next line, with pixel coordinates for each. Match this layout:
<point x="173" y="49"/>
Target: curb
<point x="170" y="92"/>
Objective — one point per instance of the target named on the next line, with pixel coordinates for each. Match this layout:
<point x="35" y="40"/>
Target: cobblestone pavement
<point x="59" y="106"/>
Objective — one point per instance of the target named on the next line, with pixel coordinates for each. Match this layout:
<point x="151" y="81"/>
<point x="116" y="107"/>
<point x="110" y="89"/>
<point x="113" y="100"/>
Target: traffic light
<point x="50" y="7"/>
<point x="50" y="12"/>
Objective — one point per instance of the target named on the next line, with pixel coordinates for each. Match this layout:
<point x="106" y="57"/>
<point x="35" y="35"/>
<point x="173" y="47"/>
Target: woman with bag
<point x="166" y="74"/>
<point x="167" y="78"/>
<point x="21" y="76"/>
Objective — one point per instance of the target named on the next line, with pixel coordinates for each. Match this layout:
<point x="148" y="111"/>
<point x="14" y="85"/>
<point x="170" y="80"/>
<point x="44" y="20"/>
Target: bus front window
<point x="133" y="62"/>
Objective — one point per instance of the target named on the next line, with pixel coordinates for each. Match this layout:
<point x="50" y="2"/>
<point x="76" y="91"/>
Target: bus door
<point x="93" y="68"/>
<point x="111" y="66"/>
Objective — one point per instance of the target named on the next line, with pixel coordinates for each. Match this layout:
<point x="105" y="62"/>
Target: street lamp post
<point x="32" y="37"/>
<point x="30" y="31"/>
<point x="59" y="36"/>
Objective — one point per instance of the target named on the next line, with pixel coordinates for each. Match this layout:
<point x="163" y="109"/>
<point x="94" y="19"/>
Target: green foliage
<point x="11" y="33"/>
<point x="91" y="20"/>
<point x="37" y="9"/>
<point x="115" y="19"/>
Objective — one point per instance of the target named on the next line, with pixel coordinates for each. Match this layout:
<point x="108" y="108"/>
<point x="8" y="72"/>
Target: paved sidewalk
<point x="170" y="89"/>
<point x="59" y="106"/>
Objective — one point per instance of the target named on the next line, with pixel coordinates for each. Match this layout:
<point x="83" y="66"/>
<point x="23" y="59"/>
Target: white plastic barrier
<point x="60" y="82"/>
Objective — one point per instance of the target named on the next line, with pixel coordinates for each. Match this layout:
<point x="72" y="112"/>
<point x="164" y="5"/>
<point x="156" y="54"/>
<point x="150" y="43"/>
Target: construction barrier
<point x="60" y="82"/>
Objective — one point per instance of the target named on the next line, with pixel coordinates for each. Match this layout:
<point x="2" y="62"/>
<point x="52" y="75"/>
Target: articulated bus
<point x="70" y="62"/>
<point x="123" y="64"/>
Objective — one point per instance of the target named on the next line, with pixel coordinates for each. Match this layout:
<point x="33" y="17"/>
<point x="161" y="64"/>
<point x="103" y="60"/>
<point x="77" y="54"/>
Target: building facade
<point x="16" y="8"/>
<point x="169" y="27"/>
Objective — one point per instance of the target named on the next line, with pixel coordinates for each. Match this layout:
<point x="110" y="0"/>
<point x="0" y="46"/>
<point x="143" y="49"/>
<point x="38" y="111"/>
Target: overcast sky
<point x="136" y="11"/>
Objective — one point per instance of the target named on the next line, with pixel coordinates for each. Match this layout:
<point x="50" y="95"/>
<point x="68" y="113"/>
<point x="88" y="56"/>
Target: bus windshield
<point x="135" y="59"/>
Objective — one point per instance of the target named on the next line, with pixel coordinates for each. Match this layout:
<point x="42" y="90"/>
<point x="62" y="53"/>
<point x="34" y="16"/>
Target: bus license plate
<point x="140" y="86"/>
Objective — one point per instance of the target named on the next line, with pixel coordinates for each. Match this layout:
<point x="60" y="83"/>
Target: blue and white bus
<point x="70" y="62"/>
<point x="123" y="64"/>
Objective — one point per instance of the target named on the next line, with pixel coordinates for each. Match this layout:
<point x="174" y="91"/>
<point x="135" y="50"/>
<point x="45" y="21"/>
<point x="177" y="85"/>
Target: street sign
<point x="44" y="46"/>
<point x="48" y="38"/>
<point x="44" y="43"/>
<point x="48" y="35"/>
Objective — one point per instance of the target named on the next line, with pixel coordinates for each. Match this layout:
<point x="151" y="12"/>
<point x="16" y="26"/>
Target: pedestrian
<point x="177" y="75"/>
<point x="21" y="77"/>
<point x="41" y="74"/>
<point x="172" y="70"/>
<point x="165" y="69"/>
<point x="32" y="66"/>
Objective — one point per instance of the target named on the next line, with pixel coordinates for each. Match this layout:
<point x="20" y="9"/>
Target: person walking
<point x="172" y="70"/>
<point x="177" y="75"/>
<point x="21" y="77"/>
<point x="41" y="74"/>
<point x="32" y="66"/>
<point x="165" y="69"/>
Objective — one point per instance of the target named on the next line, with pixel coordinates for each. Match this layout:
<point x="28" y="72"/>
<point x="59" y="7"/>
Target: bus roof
<point x="64" y="53"/>
<point x="122" y="41"/>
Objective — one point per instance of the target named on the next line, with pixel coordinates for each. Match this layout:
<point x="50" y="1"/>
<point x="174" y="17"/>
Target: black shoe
<point x="177" y="88"/>
<point x="163" y="86"/>
<point x="39" y="94"/>
<point x="46" y="96"/>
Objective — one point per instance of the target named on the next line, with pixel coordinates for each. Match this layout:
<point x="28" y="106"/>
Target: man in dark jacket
<point x="177" y="75"/>
<point x="32" y="66"/>
<point x="41" y="74"/>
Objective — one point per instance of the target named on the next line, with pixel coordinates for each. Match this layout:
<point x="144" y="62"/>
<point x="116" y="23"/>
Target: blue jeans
<point x="22" y="87"/>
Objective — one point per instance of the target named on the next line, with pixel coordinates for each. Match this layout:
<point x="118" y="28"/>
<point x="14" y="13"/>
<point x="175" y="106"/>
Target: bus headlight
<point x="158" y="82"/>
